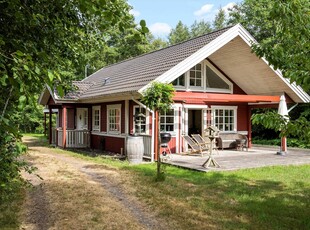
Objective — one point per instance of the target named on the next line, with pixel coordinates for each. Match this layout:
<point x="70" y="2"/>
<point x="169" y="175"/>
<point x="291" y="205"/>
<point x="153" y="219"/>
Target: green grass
<point x="10" y="209"/>
<point x="275" y="197"/>
<point x="264" y="198"/>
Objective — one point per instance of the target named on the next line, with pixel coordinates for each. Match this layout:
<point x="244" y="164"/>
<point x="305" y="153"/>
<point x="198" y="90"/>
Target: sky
<point x="163" y="15"/>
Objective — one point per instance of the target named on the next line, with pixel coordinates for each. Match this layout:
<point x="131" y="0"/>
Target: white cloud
<point x="134" y="12"/>
<point x="204" y="10"/>
<point x="229" y="5"/>
<point x="160" y="29"/>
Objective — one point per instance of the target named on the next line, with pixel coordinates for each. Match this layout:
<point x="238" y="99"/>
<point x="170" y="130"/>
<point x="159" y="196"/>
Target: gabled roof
<point x="228" y="48"/>
<point x="133" y="74"/>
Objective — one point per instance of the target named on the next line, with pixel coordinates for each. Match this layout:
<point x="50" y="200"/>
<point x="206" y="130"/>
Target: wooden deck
<point x="234" y="160"/>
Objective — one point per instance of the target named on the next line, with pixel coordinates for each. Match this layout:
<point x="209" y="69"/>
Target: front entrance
<point x="195" y="122"/>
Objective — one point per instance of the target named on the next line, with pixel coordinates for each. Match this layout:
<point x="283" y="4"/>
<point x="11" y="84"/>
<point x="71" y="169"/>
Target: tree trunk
<point x="158" y="146"/>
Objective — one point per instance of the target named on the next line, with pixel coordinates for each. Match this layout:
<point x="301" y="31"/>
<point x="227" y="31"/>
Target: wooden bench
<point x="229" y="140"/>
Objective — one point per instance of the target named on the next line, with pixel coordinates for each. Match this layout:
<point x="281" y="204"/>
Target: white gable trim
<point x="211" y="48"/>
<point x="197" y="57"/>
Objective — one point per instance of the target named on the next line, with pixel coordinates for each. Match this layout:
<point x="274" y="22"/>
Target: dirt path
<point x="76" y="194"/>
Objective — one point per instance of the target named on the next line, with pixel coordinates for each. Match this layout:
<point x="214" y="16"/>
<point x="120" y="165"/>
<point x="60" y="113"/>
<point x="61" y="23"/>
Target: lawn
<point x="265" y="198"/>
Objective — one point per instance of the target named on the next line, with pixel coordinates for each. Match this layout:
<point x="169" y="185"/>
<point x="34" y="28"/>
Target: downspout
<point x="153" y="126"/>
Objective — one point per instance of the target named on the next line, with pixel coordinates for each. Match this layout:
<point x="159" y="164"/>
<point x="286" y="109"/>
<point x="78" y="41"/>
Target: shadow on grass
<point x="266" y="198"/>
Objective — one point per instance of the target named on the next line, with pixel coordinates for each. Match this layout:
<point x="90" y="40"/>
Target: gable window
<point x="214" y="81"/>
<point x="114" y="118"/>
<point x="225" y="119"/>
<point x="167" y="121"/>
<point x="195" y="76"/>
<point x="139" y="110"/>
<point x="96" y="118"/>
<point x="180" y="81"/>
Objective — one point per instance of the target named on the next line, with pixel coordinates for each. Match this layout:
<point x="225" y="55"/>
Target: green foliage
<point x="158" y="97"/>
<point x="200" y="28"/>
<point x="179" y="34"/>
<point x="291" y="142"/>
<point x="50" y="42"/>
<point x="10" y="148"/>
<point x="299" y="128"/>
<point x="254" y="16"/>
<point x="282" y="29"/>
<point x="288" y="49"/>
<point x="219" y="20"/>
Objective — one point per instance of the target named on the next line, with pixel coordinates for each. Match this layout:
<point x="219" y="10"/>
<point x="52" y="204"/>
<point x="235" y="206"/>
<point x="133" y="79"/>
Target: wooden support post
<point x="64" y="126"/>
<point x="156" y="135"/>
<point x="283" y="144"/>
<point x="50" y="131"/>
<point x="249" y="128"/>
<point x="44" y="124"/>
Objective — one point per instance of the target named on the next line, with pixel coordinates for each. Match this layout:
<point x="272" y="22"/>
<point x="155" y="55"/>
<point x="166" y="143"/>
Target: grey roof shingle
<point x="133" y="74"/>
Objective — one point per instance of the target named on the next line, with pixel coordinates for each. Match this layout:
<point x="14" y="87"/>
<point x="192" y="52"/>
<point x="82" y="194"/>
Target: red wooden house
<point x="218" y="80"/>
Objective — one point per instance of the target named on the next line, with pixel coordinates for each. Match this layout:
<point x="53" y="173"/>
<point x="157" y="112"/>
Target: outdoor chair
<point x="205" y="142"/>
<point x="195" y="146"/>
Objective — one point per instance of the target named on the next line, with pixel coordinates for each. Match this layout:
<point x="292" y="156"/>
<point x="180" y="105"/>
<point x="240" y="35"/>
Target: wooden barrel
<point x="135" y="149"/>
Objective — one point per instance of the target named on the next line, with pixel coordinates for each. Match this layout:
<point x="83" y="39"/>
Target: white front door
<point x="81" y="118"/>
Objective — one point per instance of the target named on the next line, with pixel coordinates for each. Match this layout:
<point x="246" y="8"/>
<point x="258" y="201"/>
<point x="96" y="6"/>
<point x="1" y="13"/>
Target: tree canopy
<point x="50" y="42"/>
<point x="282" y="29"/>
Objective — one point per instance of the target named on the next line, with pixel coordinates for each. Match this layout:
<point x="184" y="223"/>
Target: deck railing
<point x="74" y="138"/>
<point x="147" y="142"/>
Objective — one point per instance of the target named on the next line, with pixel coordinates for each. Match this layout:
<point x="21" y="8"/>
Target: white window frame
<point x="114" y="107"/>
<point x="195" y="87"/>
<point x="174" y="122"/>
<point x="203" y="87"/>
<point x="96" y="127"/>
<point x="234" y="108"/>
<point x="220" y="75"/>
<point x="146" y="119"/>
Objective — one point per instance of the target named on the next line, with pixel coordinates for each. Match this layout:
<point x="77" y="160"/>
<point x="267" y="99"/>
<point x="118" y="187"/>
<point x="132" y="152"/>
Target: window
<point x="214" y="81"/>
<point x="225" y="119"/>
<point x="180" y="81"/>
<point x="142" y="128"/>
<point x="114" y="118"/>
<point x="86" y="119"/>
<point x="96" y="118"/>
<point x="195" y="76"/>
<point x="167" y="121"/>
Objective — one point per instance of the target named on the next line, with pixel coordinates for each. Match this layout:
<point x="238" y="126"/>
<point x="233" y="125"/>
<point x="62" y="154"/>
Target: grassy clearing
<point x="265" y="198"/>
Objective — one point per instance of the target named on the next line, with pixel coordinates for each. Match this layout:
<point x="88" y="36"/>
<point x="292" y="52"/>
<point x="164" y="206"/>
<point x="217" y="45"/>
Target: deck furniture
<point x="232" y="140"/>
<point x="195" y="147"/>
<point x="205" y="141"/>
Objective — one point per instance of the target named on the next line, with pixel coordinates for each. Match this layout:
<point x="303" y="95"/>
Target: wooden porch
<point x="74" y="138"/>
<point x="234" y="160"/>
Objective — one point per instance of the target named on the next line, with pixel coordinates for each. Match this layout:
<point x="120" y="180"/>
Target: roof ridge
<point x="154" y="51"/>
